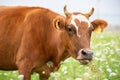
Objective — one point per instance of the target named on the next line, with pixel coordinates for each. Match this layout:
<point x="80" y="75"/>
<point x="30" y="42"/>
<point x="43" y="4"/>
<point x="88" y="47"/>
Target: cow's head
<point x="78" y="31"/>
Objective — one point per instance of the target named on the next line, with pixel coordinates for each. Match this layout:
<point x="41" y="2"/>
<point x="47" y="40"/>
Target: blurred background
<point x="106" y="46"/>
<point x="106" y="9"/>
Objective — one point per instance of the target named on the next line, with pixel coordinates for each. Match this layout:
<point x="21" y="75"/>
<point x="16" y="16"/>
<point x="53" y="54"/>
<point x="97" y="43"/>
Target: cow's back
<point x="13" y="24"/>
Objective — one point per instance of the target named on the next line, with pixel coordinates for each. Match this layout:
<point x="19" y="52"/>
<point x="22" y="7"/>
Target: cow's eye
<point x="69" y="29"/>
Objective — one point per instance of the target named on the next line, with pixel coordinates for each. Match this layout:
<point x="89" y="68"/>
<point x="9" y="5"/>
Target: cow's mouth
<point x="84" y="61"/>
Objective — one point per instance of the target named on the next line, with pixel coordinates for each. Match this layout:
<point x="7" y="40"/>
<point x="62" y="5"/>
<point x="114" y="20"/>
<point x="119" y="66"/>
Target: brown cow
<point x="31" y="37"/>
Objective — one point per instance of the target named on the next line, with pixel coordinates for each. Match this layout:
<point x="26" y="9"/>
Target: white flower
<point x="86" y="74"/>
<point x="14" y="72"/>
<point x="5" y="74"/>
<point x="97" y="59"/>
<point x="101" y="36"/>
<point x="112" y="74"/>
<point x="109" y="70"/>
<point x="68" y="79"/>
<point x="113" y="59"/>
<point x="102" y="59"/>
<point x="56" y="74"/>
<point x="78" y="79"/>
<point x="52" y="74"/>
<point x="97" y="53"/>
<point x="107" y="66"/>
<point x="11" y="79"/>
<point x="67" y="60"/>
<point x="100" y="68"/>
<point x="21" y="77"/>
<point x="37" y="74"/>
<point x="65" y="72"/>
<point x="64" y="68"/>
<point x="105" y="79"/>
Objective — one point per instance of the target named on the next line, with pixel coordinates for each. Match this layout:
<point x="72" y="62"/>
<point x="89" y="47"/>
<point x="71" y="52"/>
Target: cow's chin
<point x="84" y="62"/>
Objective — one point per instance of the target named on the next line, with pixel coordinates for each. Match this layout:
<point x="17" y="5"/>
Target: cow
<point x="33" y="37"/>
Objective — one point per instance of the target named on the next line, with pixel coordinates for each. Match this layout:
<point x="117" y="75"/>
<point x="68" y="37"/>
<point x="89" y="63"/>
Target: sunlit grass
<point x="107" y="54"/>
<point x="105" y="65"/>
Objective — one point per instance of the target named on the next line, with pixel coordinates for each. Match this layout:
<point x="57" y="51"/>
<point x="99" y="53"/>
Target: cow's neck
<point x="64" y="56"/>
<point x="55" y="64"/>
<point x="65" y="42"/>
<point x="62" y="51"/>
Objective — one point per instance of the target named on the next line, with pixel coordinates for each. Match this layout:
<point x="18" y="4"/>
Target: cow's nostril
<point x="84" y="52"/>
<point x="85" y="56"/>
<point x="87" y="53"/>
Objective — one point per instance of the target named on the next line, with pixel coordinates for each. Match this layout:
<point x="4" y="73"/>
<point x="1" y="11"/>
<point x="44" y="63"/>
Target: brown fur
<point x="28" y="39"/>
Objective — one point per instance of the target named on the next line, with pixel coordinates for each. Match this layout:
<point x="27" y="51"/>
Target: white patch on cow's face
<point x="80" y="18"/>
<point x="76" y="27"/>
<point x="21" y="77"/>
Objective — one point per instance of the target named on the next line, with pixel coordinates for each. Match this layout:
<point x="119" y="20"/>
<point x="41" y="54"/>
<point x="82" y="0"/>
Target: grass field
<point x="105" y="66"/>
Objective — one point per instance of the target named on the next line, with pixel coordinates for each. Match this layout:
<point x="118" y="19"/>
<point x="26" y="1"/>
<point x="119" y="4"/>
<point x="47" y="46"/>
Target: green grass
<point x="105" y="66"/>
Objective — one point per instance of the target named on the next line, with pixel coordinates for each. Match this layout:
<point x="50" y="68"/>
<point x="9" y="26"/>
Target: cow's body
<point x="29" y="40"/>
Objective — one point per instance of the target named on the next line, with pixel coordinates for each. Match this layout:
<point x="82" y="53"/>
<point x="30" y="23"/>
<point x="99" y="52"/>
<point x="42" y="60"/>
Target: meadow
<point x="105" y="65"/>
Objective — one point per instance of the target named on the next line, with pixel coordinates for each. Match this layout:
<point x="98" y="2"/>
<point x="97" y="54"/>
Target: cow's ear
<point x="99" y="25"/>
<point x="59" y="23"/>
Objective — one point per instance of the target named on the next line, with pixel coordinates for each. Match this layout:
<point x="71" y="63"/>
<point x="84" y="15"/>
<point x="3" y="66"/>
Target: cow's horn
<point x="66" y="11"/>
<point x="90" y="13"/>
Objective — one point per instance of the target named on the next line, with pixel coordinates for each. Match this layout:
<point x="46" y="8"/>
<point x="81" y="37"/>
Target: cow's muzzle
<point x="85" y="56"/>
